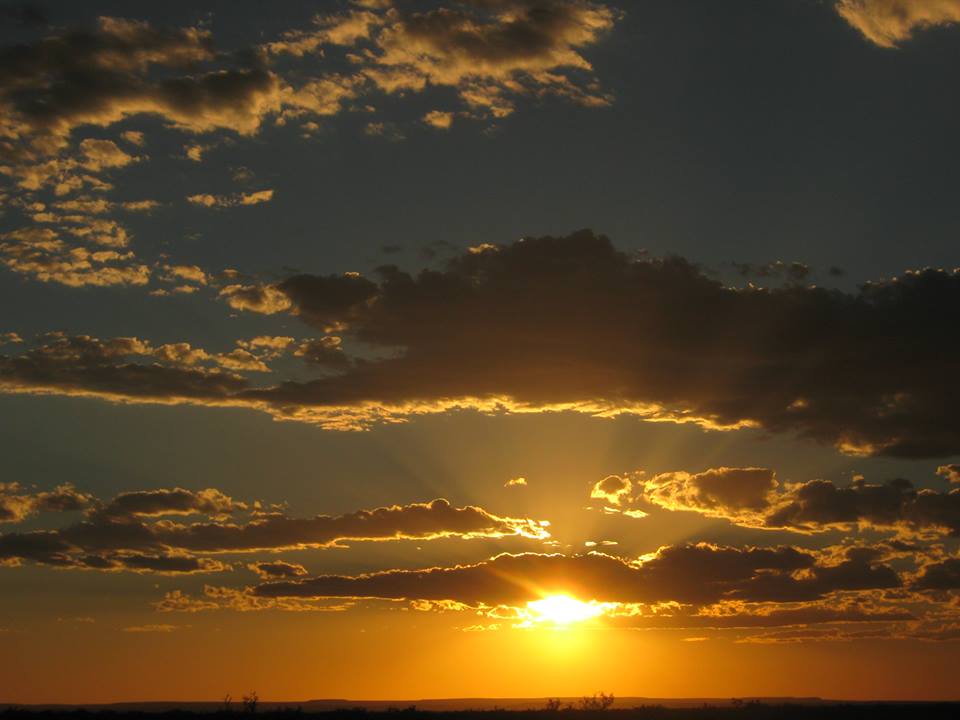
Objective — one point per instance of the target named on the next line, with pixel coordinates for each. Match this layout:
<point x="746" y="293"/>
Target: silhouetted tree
<point x="250" y="702"/>
<point x="599" y="701"/>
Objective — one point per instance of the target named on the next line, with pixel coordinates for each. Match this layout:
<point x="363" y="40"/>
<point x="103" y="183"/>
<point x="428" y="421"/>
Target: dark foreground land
<point x="728" y="710"/>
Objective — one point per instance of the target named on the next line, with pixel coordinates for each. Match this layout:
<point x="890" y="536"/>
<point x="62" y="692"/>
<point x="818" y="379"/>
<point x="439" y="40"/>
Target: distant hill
<point x="621" y="705"/>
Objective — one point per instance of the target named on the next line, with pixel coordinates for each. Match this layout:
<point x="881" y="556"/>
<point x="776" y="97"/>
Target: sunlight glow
<point x="563" y="610"/>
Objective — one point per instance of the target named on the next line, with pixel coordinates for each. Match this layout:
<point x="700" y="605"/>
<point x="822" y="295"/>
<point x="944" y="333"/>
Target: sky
<point x="397" y="349"/>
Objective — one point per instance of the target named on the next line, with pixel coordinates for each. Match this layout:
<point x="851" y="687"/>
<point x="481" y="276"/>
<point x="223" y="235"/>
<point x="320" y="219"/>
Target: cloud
<point x="134" y="137"/>
<point x="943" y="575"/>
<point x="735" y="615"/>
<point x="889" y="23"/>
<point x="277" y="569"/>
<point x="235" y="200"/>
<point x="54" y="88"/>
<point x="151" y="628"/>
<point x="101" y="154"/>
<point x="17" y="505"/>
<point x="175" y="501"/>
<point x="793" y="272"/>
<point x="325" y="351"/>
<point x="239" y="600"/>
<point x="84" y="366"/>
<point x="516" y="482"/>
<point x="344" y="29"/>
<point x="924" y="631"/>
<point x="493" y="51"/>
<point x="262" y="299"/>
<point x="42" y="254"/>
<point x="130" y="531"/>
<point x="717" y="492"/>
<point x="699" y="574"/>
<point x="751" y="497"/>
<point x="613" y="489"/>
<point x="819" y="504"/>
<point x="439" y="119"/>
<point x="190" y="273"/>
<point x="105" y="68"/>
<point x="950" y="472"/>
<point x="589" y="329"/>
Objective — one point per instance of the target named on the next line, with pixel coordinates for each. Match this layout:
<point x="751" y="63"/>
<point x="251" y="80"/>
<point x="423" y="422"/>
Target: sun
<point x="562" y="610"/>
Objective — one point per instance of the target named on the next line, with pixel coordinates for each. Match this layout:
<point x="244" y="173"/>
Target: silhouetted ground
<point x="746" y="711"/>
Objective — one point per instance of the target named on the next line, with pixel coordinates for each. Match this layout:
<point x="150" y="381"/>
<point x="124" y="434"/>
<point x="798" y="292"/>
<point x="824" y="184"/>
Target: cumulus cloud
<point x="752" y="497"/>
<point x="593" y="330"/>
<point x="889" y="23"/>
<point x="725" y="492"/>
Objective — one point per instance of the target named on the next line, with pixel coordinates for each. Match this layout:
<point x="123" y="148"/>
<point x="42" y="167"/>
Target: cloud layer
<point x="571" y="323"/>
<point x="133" y="531"/>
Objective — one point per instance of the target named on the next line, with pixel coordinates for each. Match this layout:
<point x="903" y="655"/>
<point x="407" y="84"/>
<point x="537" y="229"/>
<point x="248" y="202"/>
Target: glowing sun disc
<point x="563" y="610"/>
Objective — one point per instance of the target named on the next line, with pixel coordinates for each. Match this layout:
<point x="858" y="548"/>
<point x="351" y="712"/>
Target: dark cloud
<point x="944" y="575"/>
<point x="328" y="300"/>
<point x="86" y="366"/>
<point x="751" y="497"/>
<point x="897" y="504"/>
<point x="277" y="569"/>
<point x="734" y="493"/>
<point x="116" y="534"/>
<point x="584" y="326"/>
<point x="85" y="77"/>
<point x="175" y="501"/>
<point x="16" y="504"/>
<point x="572" y="324"/>
<point x="794" y="272"/>
<point x="169" y="564"/>
<point x="692" y="574"/>
<point x="326" y="351"/>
